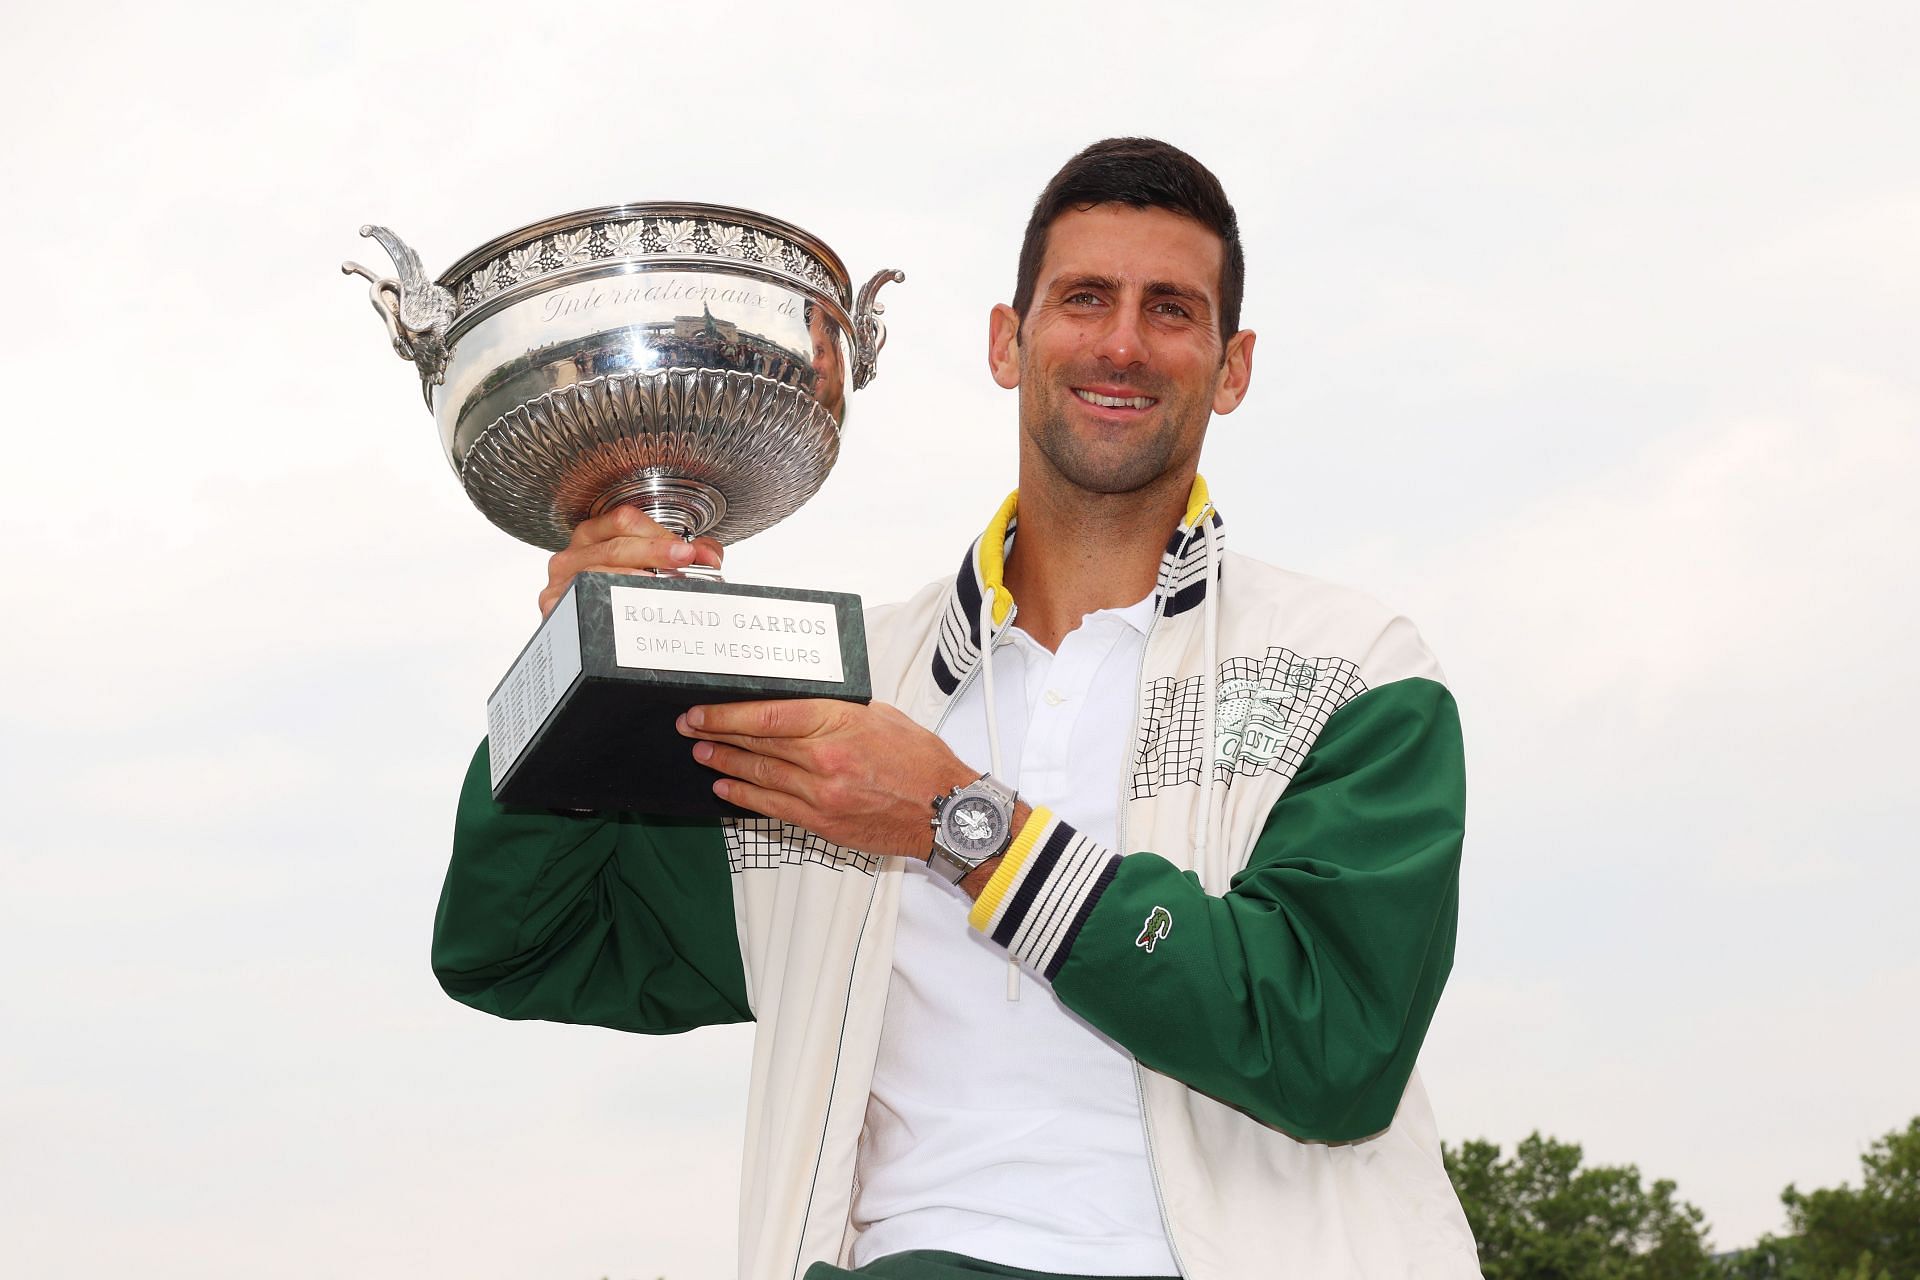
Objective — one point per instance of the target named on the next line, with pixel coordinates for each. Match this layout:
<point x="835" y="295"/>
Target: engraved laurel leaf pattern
<point x="679" y="235"/>
<point x="525" y="261"/>
<point x="574" y="247"/>
<point x="637" y="238"/>
<point x="773" y="250"/>
<point x="627" y="239"/>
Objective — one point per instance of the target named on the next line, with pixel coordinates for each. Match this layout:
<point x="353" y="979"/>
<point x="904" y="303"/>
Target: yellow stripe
<point x="1197" y="500"/>
<point x="1009" y="869"/>
<point x="993" y="543"/>
<point x="993" y="557"/>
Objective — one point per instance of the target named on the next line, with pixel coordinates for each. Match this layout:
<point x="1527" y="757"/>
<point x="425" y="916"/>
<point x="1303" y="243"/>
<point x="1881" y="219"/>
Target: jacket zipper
<point x="826" y="1123"/>
<point x="833" y="1086"/>
<point x="1120" y="845"/>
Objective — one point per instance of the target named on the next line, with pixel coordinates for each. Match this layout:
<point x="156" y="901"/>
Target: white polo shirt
<point x="1010" y="1130"/>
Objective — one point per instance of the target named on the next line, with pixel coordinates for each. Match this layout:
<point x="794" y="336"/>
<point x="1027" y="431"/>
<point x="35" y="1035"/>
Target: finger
<point x="560" y="577"/>
<point x="766" y="772"/>
<point x="791" y="718"/>
<point x="621" y="521"/>
<point x="773" y="804"/>
<point x="629" y="557"/>
<point x="631" y="522"/>
<point x="662" y="551"/>
<point x="628" y="570"/>
<point x="555" y="590"/>
<point x="794" y="750"/>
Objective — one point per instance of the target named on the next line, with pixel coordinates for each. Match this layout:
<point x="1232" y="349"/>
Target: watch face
<point x="974" y="825"/>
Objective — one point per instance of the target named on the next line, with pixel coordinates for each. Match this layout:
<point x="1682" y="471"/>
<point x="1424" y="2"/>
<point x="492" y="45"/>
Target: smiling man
<point x="1104" y="942"/>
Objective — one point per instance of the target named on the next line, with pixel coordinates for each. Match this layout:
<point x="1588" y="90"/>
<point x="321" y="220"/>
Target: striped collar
<point x="1182" y="584"/>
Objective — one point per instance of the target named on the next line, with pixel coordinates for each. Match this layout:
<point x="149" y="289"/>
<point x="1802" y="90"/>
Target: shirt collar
<point x="1138" y="615"/>
<point x="1182" y="582"/>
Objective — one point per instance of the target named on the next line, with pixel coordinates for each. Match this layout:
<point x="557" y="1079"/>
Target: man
<point x="1143" y="1000"/>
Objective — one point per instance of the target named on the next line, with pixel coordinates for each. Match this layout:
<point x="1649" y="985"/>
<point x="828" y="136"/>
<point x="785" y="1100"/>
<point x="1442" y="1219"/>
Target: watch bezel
<point x="955" y="863"/>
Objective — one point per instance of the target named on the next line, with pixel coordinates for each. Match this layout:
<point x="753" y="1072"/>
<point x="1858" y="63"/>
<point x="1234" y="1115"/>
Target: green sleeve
<point x="619" y="921"/>
<point x="1302" y="994"/>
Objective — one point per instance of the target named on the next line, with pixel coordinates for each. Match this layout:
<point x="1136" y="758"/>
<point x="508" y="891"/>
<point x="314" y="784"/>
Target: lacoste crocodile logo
<point x="1159" y="925"/>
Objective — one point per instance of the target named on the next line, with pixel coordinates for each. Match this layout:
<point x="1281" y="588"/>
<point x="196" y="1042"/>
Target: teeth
<point x="1114" y="402"/>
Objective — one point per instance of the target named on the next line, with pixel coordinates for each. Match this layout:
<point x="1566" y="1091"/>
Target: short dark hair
<point x="1143" y="173"/>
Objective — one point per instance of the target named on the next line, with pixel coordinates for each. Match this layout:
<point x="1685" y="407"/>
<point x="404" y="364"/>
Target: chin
<point x="1097" y="462"/>
<point x="1129" y="475"/>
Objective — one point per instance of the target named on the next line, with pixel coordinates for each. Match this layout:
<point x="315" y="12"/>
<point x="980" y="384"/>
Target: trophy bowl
<point x="690" y="359"/>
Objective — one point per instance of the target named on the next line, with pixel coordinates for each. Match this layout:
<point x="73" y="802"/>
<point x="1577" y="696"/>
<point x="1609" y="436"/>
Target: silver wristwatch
<point x="970" y="825"/>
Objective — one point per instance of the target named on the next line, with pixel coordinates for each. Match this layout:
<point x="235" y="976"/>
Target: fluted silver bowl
<point x="691" y="359"/>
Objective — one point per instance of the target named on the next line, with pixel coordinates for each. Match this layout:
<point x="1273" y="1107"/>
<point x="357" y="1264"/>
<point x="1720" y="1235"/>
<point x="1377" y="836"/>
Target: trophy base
<point x="584" y="721"/>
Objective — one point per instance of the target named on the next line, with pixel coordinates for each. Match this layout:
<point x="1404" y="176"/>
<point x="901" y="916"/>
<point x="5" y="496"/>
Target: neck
<point x="1078" y="552"/>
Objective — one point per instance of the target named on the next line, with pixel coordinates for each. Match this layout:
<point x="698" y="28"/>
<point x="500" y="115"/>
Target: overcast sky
<point x="1586" y="338"/>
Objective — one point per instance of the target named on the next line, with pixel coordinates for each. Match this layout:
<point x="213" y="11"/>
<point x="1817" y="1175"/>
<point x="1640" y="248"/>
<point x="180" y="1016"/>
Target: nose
<point x="1123" y="340"/>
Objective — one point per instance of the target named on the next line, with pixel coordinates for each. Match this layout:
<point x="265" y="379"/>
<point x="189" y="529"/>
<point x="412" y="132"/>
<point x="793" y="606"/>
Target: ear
<point x="1236" y="372"/>
<point x="1003" y="345"/>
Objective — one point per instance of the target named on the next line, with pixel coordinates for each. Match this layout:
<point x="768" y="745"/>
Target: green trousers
<point x="931" y="1264"/>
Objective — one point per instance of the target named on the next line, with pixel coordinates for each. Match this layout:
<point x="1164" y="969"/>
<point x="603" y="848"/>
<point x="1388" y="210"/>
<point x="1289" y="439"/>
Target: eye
<point x="1082" y="298"/>
<point x="1168" y="307"/>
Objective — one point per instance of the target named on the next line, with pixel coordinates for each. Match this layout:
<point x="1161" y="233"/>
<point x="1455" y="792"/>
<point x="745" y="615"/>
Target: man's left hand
<point x="864" y="777"/>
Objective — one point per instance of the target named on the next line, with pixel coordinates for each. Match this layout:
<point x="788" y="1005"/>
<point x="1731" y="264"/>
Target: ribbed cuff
<point x="1043" y="891"/>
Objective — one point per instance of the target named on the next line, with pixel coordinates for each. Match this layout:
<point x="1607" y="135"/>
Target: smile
<point x="1115" y="402"/>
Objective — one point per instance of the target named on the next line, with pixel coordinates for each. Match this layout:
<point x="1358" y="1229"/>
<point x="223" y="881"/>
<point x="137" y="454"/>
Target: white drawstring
<point x="1203" y="823"/>
<point x="993" y="738"/>
<point x="986" y="661"/>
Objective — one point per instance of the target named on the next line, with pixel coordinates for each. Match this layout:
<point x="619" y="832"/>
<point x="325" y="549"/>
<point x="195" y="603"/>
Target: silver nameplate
<point x="722" y="634"/>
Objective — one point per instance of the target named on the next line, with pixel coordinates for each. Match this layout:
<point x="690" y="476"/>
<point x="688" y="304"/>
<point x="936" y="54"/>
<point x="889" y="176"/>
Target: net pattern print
<point x="1270" y="711"/>
<point x="762" y="844"/>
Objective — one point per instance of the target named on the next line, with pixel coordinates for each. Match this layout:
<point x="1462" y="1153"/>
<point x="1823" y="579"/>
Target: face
<point x="829" y="369"/>
<point x="1120" y="360"/>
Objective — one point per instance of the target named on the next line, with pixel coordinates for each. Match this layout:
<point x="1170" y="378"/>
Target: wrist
<point x="953" y="776"/>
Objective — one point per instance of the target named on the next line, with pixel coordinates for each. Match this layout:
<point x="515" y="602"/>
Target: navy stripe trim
<point x="1036" y="875"/>
<point x="1182" y="586"/>
<point x="967" y="586"/>
<point x="1187" y="599"/>
<point x="1100" y="883"/>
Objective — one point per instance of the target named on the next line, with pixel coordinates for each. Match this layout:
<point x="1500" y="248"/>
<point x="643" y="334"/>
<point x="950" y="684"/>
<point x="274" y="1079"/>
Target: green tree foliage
<point x="1844" y="1233"/>
<point x="1541" y="1216"/>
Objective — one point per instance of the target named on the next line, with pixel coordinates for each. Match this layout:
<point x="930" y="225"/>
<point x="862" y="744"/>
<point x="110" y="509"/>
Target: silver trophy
<point x="692" y="360"/>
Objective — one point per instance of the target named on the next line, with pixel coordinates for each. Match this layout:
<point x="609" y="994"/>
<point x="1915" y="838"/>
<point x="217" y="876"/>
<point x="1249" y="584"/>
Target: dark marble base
<point x="599" y="736"/>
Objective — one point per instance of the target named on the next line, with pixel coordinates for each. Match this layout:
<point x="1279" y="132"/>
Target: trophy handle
<point x="869" y="333"/>
<point x="417" y="311"/>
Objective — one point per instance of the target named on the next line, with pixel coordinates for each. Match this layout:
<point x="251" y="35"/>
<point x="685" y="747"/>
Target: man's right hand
<point x="623" y="540"/>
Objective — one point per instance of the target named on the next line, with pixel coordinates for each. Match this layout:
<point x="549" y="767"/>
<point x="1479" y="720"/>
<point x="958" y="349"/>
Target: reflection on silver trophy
<point x="689" y="359"/>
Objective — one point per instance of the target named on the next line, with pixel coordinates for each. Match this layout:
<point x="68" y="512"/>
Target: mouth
<point x="1108" y="400"/>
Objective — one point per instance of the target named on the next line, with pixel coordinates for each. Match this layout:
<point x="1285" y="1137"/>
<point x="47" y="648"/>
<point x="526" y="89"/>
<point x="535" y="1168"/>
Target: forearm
<point x="609" y="920"/>
<point x="1302" y="994"/>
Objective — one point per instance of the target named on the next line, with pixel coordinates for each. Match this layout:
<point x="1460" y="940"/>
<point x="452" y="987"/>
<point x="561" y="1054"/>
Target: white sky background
<point x="1586" y="337"/>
